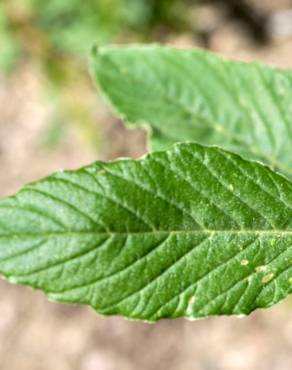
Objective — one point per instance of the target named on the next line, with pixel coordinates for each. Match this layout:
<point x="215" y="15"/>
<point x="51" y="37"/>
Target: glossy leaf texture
<point x="189" y="232"/>
<point x="197" y="96"/>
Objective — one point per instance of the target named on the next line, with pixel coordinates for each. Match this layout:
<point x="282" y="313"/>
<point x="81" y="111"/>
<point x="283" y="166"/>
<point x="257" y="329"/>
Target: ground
<point x="39" y="335"/>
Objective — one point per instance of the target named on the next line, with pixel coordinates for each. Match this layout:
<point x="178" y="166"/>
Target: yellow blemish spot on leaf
<point x="192" y="300"/>
<point x="261" y="268"/>
<point x="190" y="305"/>
<point x="244" y="262"/>
<point x="267" y="278"/>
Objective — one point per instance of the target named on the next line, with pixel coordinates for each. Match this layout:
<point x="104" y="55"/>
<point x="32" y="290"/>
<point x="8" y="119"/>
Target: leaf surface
<point x="193" y="231"/>
<point x="192" y="95"/>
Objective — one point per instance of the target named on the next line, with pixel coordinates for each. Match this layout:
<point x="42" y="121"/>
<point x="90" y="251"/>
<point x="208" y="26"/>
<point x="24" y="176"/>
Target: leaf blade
<point x="192" y="95"/>
<point x="165" y="236"/>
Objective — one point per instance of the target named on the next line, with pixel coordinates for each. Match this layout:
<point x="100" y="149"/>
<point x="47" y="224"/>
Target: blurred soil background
<point x="51" y="117"/>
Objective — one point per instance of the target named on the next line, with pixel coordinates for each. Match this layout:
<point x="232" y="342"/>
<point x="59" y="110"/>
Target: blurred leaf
<point x="195" y="95"/>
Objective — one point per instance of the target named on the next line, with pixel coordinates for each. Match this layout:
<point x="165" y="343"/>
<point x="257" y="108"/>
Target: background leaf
<point x="194" y="231"/>
<point x="197" y="96"/>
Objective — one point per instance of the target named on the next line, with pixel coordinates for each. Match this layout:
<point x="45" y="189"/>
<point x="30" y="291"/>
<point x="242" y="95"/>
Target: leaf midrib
<point x="274" y="232"/>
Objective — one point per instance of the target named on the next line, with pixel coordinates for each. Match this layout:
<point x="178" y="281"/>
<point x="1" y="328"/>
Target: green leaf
<point x="194" y="95"/>
<point x="193" y="231"/>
